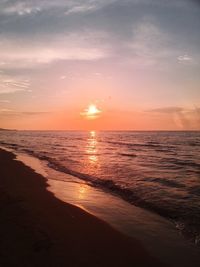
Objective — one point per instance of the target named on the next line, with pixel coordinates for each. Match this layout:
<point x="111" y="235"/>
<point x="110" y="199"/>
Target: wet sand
<point x="37" y="229"/>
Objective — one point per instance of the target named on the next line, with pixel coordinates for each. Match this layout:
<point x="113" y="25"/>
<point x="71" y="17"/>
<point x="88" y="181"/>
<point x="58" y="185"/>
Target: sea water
<point x="159" y="171"/>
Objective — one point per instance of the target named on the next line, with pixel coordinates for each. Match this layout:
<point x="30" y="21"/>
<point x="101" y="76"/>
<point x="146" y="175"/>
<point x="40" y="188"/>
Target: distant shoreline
<point x="2" y="129"/>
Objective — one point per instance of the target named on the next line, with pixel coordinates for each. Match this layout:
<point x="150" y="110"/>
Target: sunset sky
<point x="136" y="61"/>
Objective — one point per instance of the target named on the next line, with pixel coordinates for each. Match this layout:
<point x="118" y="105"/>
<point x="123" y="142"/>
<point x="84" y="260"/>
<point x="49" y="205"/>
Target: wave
<point x="128" y="155"/>
<point x="170" y="183"/>
<point x="179" y="163"/>
<point x="148" y="145"/>
<point x="8" y="144"/>
<point x="195" y="190"/>
<point x="194" y="144"/>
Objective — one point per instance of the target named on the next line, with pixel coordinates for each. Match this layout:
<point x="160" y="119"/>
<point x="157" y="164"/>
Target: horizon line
<point x="81" y="130"/>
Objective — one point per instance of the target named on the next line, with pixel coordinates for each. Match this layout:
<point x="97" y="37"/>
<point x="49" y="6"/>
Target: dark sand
<point x="37" y="229"/>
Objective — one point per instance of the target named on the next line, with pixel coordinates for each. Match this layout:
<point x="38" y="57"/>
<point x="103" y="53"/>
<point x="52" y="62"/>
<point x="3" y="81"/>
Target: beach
<point x="37" y="229"/>
<point x="99" y="133"/>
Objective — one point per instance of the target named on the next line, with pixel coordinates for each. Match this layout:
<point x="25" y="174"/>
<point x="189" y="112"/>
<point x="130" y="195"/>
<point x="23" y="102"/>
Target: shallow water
<point x="156" y="170"/>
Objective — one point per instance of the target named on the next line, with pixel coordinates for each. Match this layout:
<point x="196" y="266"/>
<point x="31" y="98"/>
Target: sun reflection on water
<point x="91" y="147"/>
<point x="82" y="192"/>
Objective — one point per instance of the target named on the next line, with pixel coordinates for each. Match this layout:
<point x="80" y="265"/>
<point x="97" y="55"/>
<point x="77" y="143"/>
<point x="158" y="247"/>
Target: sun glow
<point x="91" y="112"/>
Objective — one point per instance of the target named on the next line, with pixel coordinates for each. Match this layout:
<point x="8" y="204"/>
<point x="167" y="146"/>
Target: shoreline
<point x="189" y="234"/>
<point x="37" y="229"/>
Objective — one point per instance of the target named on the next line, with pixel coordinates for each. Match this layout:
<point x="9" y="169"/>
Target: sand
<point x="37" y="229"/>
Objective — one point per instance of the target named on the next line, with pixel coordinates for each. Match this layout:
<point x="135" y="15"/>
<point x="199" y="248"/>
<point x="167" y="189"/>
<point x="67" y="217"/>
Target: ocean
<point x="158" y="171"/>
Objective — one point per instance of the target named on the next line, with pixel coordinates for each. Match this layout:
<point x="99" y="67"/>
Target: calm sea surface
<point x="159" y="171"/>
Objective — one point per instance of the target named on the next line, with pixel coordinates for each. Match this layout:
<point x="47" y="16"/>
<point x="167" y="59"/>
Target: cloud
<point x="87" y="6"/>
<point x="82" y="8"/>
<point x="86" y="46"/>
<point x="4" y="101"/>
<point x="184" y="59"/>
<point x="66" y="23"/>
<point x="63" y="77"/>
<point x="166" y="110"/>
<point x="150" y="45"/>
<point x="22" y="7"/>
<point x="11" y="85"/>
<point x="5" y="110"/>
<point x="147" y="38"/>
<point x="30" y="113"/>
<point x="13" y="113"/>
<point x="183" y="118"/>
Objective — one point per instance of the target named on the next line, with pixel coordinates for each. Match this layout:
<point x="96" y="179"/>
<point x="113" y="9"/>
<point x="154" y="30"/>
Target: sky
<point x="137" y="61"/>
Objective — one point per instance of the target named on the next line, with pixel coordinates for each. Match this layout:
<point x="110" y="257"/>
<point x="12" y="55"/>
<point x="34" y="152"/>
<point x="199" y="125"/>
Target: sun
<point x="91" y="112"/>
